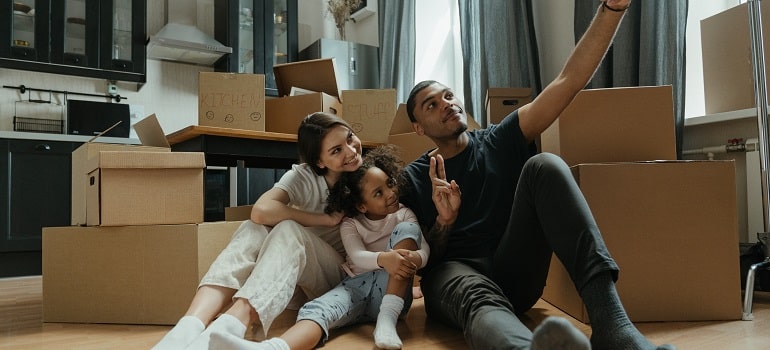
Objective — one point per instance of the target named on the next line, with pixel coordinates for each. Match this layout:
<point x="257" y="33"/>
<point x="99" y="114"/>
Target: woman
<point x="289" y="243"/>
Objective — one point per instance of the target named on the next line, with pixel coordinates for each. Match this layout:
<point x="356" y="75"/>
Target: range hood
<point x="181" y="41"/>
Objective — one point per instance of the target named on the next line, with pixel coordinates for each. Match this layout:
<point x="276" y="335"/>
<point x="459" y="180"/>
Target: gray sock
<point x="610" y="325"/>
<point x="556" y="333"/>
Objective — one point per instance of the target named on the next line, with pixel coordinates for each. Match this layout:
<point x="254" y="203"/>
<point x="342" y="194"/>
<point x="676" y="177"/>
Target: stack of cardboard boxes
<point x="670" y="225"/>
<point x="138" y="246"/>
<point x="309" y="86"/>
<point x="144" y="246"/>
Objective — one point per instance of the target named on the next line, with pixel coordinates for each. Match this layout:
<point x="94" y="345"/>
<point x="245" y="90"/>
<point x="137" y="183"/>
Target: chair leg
<point x="749" y="293"/>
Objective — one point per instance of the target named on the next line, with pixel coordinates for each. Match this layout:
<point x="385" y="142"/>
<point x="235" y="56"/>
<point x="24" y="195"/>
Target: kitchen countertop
<point x="23" y="135"/>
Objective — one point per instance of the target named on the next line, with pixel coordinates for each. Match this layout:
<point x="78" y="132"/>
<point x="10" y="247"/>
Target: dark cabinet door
<point x="261" y="33"/>
<point x="24" y="29"/>
<point x="123" y="36"/>
<point x="90" y="38"/>
<point x="36" y="182"/>
<point x="75" y="32"/>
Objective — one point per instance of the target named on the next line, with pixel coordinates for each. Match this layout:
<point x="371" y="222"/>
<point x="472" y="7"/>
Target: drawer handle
<point x="42" y="147"/>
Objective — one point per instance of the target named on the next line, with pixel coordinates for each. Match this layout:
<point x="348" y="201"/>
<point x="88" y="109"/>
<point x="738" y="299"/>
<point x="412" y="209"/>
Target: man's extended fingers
<point x="441" y="172"/>
<point x="432" y="168"/>
<point x="454" y="186"/>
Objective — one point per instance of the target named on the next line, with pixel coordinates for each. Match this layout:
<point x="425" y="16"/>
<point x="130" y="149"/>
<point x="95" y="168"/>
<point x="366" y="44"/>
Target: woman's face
<point x="379" y="194"/>
<point x="340" y="150"/>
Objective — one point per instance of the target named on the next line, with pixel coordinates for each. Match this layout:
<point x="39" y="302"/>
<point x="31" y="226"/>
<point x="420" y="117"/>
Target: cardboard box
<point x="502" y="101"/>
<point x="413" y="146"/>
<point x="401" y="134"/>
<point x="615" y="125"/>
<point x="370" y="112"/>
<point x="128" y="274"/>
<point x="286" y="112"/>
<point x="239" y="213"/>
<point x="728" y="78"/>
<point x="153" y="140"/>
<point x="672" y="229"/>
<point x="145" y="188"/>
<point x="231" y="100"/>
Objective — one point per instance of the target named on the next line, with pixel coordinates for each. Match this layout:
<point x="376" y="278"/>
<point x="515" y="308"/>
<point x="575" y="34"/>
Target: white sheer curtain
<point x="438" y="53"/>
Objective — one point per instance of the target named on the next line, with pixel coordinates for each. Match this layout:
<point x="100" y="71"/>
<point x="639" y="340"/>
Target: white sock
<point x="385" y="335"/>
<point x="183" y="333"/>
<point x="225" y="341"/>
<point x="224" y="324"/>
<point x="558" y="333"/>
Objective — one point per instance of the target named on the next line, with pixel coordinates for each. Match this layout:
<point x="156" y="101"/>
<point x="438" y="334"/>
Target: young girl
<point x="257" y="273"/>
<point x="385" y="247"/>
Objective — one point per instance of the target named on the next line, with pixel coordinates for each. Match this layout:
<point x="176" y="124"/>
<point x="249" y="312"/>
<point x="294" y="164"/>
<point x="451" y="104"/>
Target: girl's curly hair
<point x="345" y="195"/>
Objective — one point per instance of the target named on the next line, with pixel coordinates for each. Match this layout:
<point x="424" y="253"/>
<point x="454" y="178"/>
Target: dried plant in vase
<point x="340" y="10"/>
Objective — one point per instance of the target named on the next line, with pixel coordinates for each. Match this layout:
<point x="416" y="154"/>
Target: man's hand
<point x="446" y="195"/>
<point x="617" y="5"/>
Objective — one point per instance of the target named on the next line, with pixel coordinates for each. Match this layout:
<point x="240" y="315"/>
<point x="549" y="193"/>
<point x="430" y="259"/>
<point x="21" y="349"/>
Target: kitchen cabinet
<point x="253" y="182"/>
<point x="89" y="38"/>
<point x="261" y="34"/>
<point x="35" y="190"/>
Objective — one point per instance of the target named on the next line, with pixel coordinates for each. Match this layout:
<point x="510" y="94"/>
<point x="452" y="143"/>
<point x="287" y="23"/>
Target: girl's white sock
<point x="224" y="341"/>
<point x="183" y="333"/>
<point x="385" y="335"/>
<point x="224" y="324"/>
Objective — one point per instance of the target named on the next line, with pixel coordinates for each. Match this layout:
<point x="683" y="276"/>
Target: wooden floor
<point x="21" y="328"/>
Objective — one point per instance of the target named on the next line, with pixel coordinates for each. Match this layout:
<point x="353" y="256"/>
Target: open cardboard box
<point x="317" y="76"/>
<point x="231" y="100"/>
<point x="150" y="135"/>
<point x="368" y="111"/>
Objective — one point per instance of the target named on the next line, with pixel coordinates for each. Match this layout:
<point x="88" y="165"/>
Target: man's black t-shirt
<point x="487" y="172"/>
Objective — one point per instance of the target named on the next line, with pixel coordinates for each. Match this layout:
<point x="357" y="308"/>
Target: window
<point x="438" y="52"/>
<point x="695" y="103"/>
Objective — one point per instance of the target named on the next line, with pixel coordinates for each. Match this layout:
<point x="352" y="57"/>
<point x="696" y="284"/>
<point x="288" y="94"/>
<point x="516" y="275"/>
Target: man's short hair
<point x="410" y="103"/>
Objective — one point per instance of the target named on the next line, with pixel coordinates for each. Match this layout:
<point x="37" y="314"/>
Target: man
<point x="491" y="244"/>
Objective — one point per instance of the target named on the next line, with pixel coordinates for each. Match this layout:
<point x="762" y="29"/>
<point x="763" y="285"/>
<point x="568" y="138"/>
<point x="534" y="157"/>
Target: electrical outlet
<point x="112" y="89"/>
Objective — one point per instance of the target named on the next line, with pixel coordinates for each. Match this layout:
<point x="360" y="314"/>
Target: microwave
<point x="90" y="118"/>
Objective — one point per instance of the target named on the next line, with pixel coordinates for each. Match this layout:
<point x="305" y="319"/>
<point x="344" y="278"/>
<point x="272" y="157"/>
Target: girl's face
<point x="379" y="194"/>
<point x="340" y="151"/>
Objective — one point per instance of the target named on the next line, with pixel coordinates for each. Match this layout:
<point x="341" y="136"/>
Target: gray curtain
<point x="649" y="50"/>
<point x="499" y="49"/>
<point x="397" y="42"/>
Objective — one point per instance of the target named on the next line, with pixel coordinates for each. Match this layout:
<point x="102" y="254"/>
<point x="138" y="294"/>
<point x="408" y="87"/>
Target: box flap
<point x="150" y="133"/>
<point x="145" y="160"/>
<point x="401" y="123"/>
<point x="316" y="75"/>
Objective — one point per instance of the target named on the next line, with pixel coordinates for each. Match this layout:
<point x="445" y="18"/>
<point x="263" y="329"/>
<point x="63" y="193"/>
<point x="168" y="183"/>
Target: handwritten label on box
<point x="370" y="112"/>
<point x="231" y="100"/>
